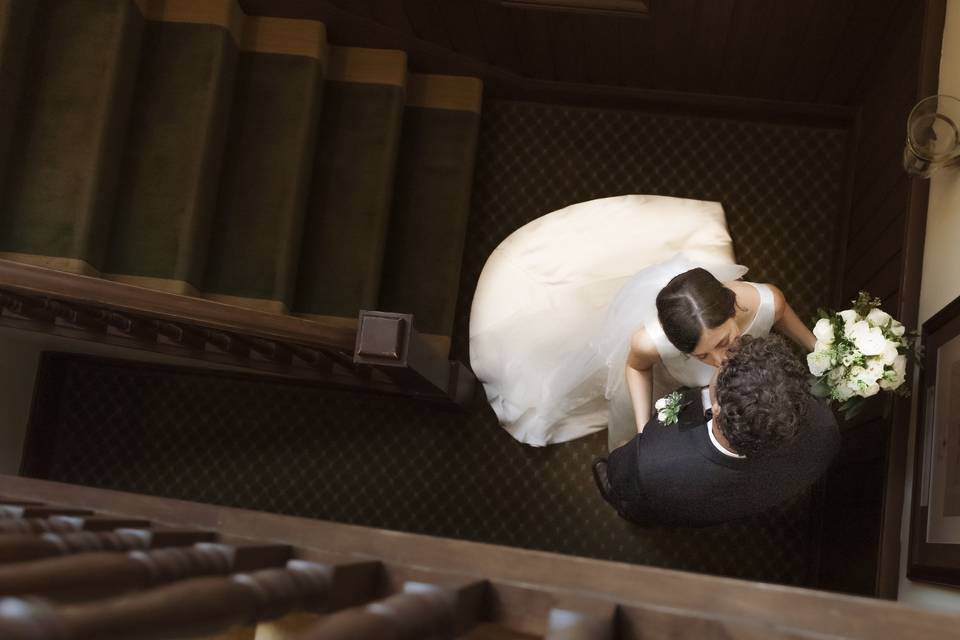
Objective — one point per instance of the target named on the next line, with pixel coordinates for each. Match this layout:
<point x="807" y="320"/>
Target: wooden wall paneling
<point x="867" y="24"/>
<point x="887" y="246"/>
<point x="881" y="283"/>
<point x="825" y="35"/>
<point x="708" y="44"/>
<point x="390" y="13"/>
<point x="782" y="48"/>
<point x="746" y="40"/>
<point x="498" y="35"/>
<point x="460" y="20"/>
<point x="533" y="40"/>
<point x="602" y="51"/>
<point x="566" y="39"/>
<point x="671" y="23"/>
<point x="426" y="22"/>
<point x="882" y="52"/>
<point x="360" y="7"/>
<point x="637" y="47"/>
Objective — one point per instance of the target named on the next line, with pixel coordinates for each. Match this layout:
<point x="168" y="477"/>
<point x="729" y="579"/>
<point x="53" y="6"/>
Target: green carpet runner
<point x="59" y="188"/>
<point x="266" y="168"/>
<point x="432" y="201"/>
<point x="352" y="184"/>
<point x="171" y="163"/>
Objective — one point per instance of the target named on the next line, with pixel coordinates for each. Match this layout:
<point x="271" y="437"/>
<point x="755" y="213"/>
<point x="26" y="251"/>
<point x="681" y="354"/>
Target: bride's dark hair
<point x="691" y="301"/>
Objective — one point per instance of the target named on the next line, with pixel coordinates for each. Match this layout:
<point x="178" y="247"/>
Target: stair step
<point x="16" y="20"/>
<point x="421" y="273"/>
<point x="171" y="163"/>
<point x="352" y="187"/>
<point x="81" y="61"/>
<point x="271" y="138"/>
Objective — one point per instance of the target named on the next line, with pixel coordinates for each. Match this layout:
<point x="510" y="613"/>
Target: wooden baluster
<point x="581" y="624"/>
<point x="24" y="548"/>
<point x="98" y="574"/>
<point x="8" y="511"/>
<point x="421" y="611"/>
<point x="199" y="605"/>
<point x="66" y="524"/>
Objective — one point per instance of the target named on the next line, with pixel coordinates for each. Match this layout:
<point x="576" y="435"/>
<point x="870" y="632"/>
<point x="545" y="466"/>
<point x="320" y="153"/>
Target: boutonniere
<point x="669" y="407"/>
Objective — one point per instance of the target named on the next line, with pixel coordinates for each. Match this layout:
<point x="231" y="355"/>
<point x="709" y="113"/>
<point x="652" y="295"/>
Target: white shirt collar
<point x="705" y="396"/>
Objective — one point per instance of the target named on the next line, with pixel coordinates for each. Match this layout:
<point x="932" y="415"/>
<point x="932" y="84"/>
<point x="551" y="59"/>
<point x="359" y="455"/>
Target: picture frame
<point x="934" y="549"/>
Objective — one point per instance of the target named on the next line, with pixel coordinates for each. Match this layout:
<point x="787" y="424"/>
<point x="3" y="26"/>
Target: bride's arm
<point x="638" y="376"/>
<point x="789" y="324"/>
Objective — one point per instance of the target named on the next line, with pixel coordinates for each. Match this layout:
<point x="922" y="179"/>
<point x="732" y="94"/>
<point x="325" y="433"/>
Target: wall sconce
<point x="933" y="139"/>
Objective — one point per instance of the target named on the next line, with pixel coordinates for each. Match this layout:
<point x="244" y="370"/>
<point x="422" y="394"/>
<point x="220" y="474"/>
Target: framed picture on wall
<point x="935" y="514"/>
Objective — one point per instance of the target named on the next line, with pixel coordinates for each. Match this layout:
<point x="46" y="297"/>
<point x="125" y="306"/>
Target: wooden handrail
<point x="42" y="299"/>
<point x="33" y="280"/>
<point x="19" y="547"/>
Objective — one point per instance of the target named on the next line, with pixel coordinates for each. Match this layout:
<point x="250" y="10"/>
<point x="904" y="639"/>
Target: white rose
<point x="836" y="375"/>
<point x="662" y="416"/>
<point x="824" y="331"/>
<point x="878" y="318"/>
<point x="895" y="376"/>
<point x="897" y="329"/>
<point x="849" y="318"/>
<point x="868" y="340"/>
<point x="870" y="390"/>
<point x="819" y="362"/>
<point x="660" y="404"/>
<point x="873" y="371"/>
<point x="843" y="392"/>
<point x="889" y="353"/>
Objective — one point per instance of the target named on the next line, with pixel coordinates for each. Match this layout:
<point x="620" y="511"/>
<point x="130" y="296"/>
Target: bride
<point x="601" y="348"/>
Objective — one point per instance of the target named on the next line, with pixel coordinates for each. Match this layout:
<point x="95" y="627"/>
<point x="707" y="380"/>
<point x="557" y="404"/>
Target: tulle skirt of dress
<point x="559" y="373"/>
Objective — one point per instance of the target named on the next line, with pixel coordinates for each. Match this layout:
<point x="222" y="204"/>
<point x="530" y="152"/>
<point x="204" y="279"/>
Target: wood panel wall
<point x="882" y="253"/>
<point x="802" y="51"/>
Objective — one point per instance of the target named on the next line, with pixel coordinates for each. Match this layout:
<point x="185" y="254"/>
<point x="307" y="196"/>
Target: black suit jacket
<point x="674" y="475"/>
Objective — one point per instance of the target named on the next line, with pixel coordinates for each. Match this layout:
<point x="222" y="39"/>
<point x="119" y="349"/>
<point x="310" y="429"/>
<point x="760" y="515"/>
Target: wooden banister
<point x="64" y="524"/>
<point x="76" y="306"/>
<point x="526" y="592"/>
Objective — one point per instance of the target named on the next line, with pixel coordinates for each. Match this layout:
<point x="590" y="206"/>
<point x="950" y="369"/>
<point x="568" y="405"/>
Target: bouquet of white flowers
<point x="859" y="351"/>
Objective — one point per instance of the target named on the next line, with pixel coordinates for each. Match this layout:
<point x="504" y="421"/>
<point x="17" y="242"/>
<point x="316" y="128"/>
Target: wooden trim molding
<point x="619" y="8"/>
<point x="225" y="13"/>
<point x="256" y="304"/>
<point x="368" y="66"/>
<point x="888" y="567"/>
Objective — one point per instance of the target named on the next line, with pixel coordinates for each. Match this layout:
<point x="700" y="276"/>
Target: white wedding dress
<point x="559" y="299"/>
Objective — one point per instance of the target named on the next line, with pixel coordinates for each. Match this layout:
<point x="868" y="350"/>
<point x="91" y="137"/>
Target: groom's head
<point x="759" y="394"/>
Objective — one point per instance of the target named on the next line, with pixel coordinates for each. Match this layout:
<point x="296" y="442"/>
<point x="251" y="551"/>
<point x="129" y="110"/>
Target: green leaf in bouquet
<point x="864" y="303"/>
<point x="850" y="408"/>
<point x="822" y="314"/>
<point x="819" y="387"/>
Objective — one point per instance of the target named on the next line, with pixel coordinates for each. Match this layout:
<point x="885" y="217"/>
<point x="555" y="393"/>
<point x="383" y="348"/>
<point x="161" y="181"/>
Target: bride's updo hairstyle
<point x="692" y="301"/>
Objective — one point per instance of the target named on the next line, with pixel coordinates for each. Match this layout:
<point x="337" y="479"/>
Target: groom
<point x="753" y="439"/>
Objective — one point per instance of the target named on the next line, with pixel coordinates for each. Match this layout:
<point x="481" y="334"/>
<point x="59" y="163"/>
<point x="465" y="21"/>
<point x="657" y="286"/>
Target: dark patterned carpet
<point x="398" y="464"/>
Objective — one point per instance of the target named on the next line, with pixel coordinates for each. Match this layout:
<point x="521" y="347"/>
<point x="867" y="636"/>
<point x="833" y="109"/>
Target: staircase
<point x="183" y="147"/>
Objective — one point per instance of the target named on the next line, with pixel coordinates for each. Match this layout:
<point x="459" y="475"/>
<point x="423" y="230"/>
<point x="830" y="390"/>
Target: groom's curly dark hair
<point x="762" y="392"/>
